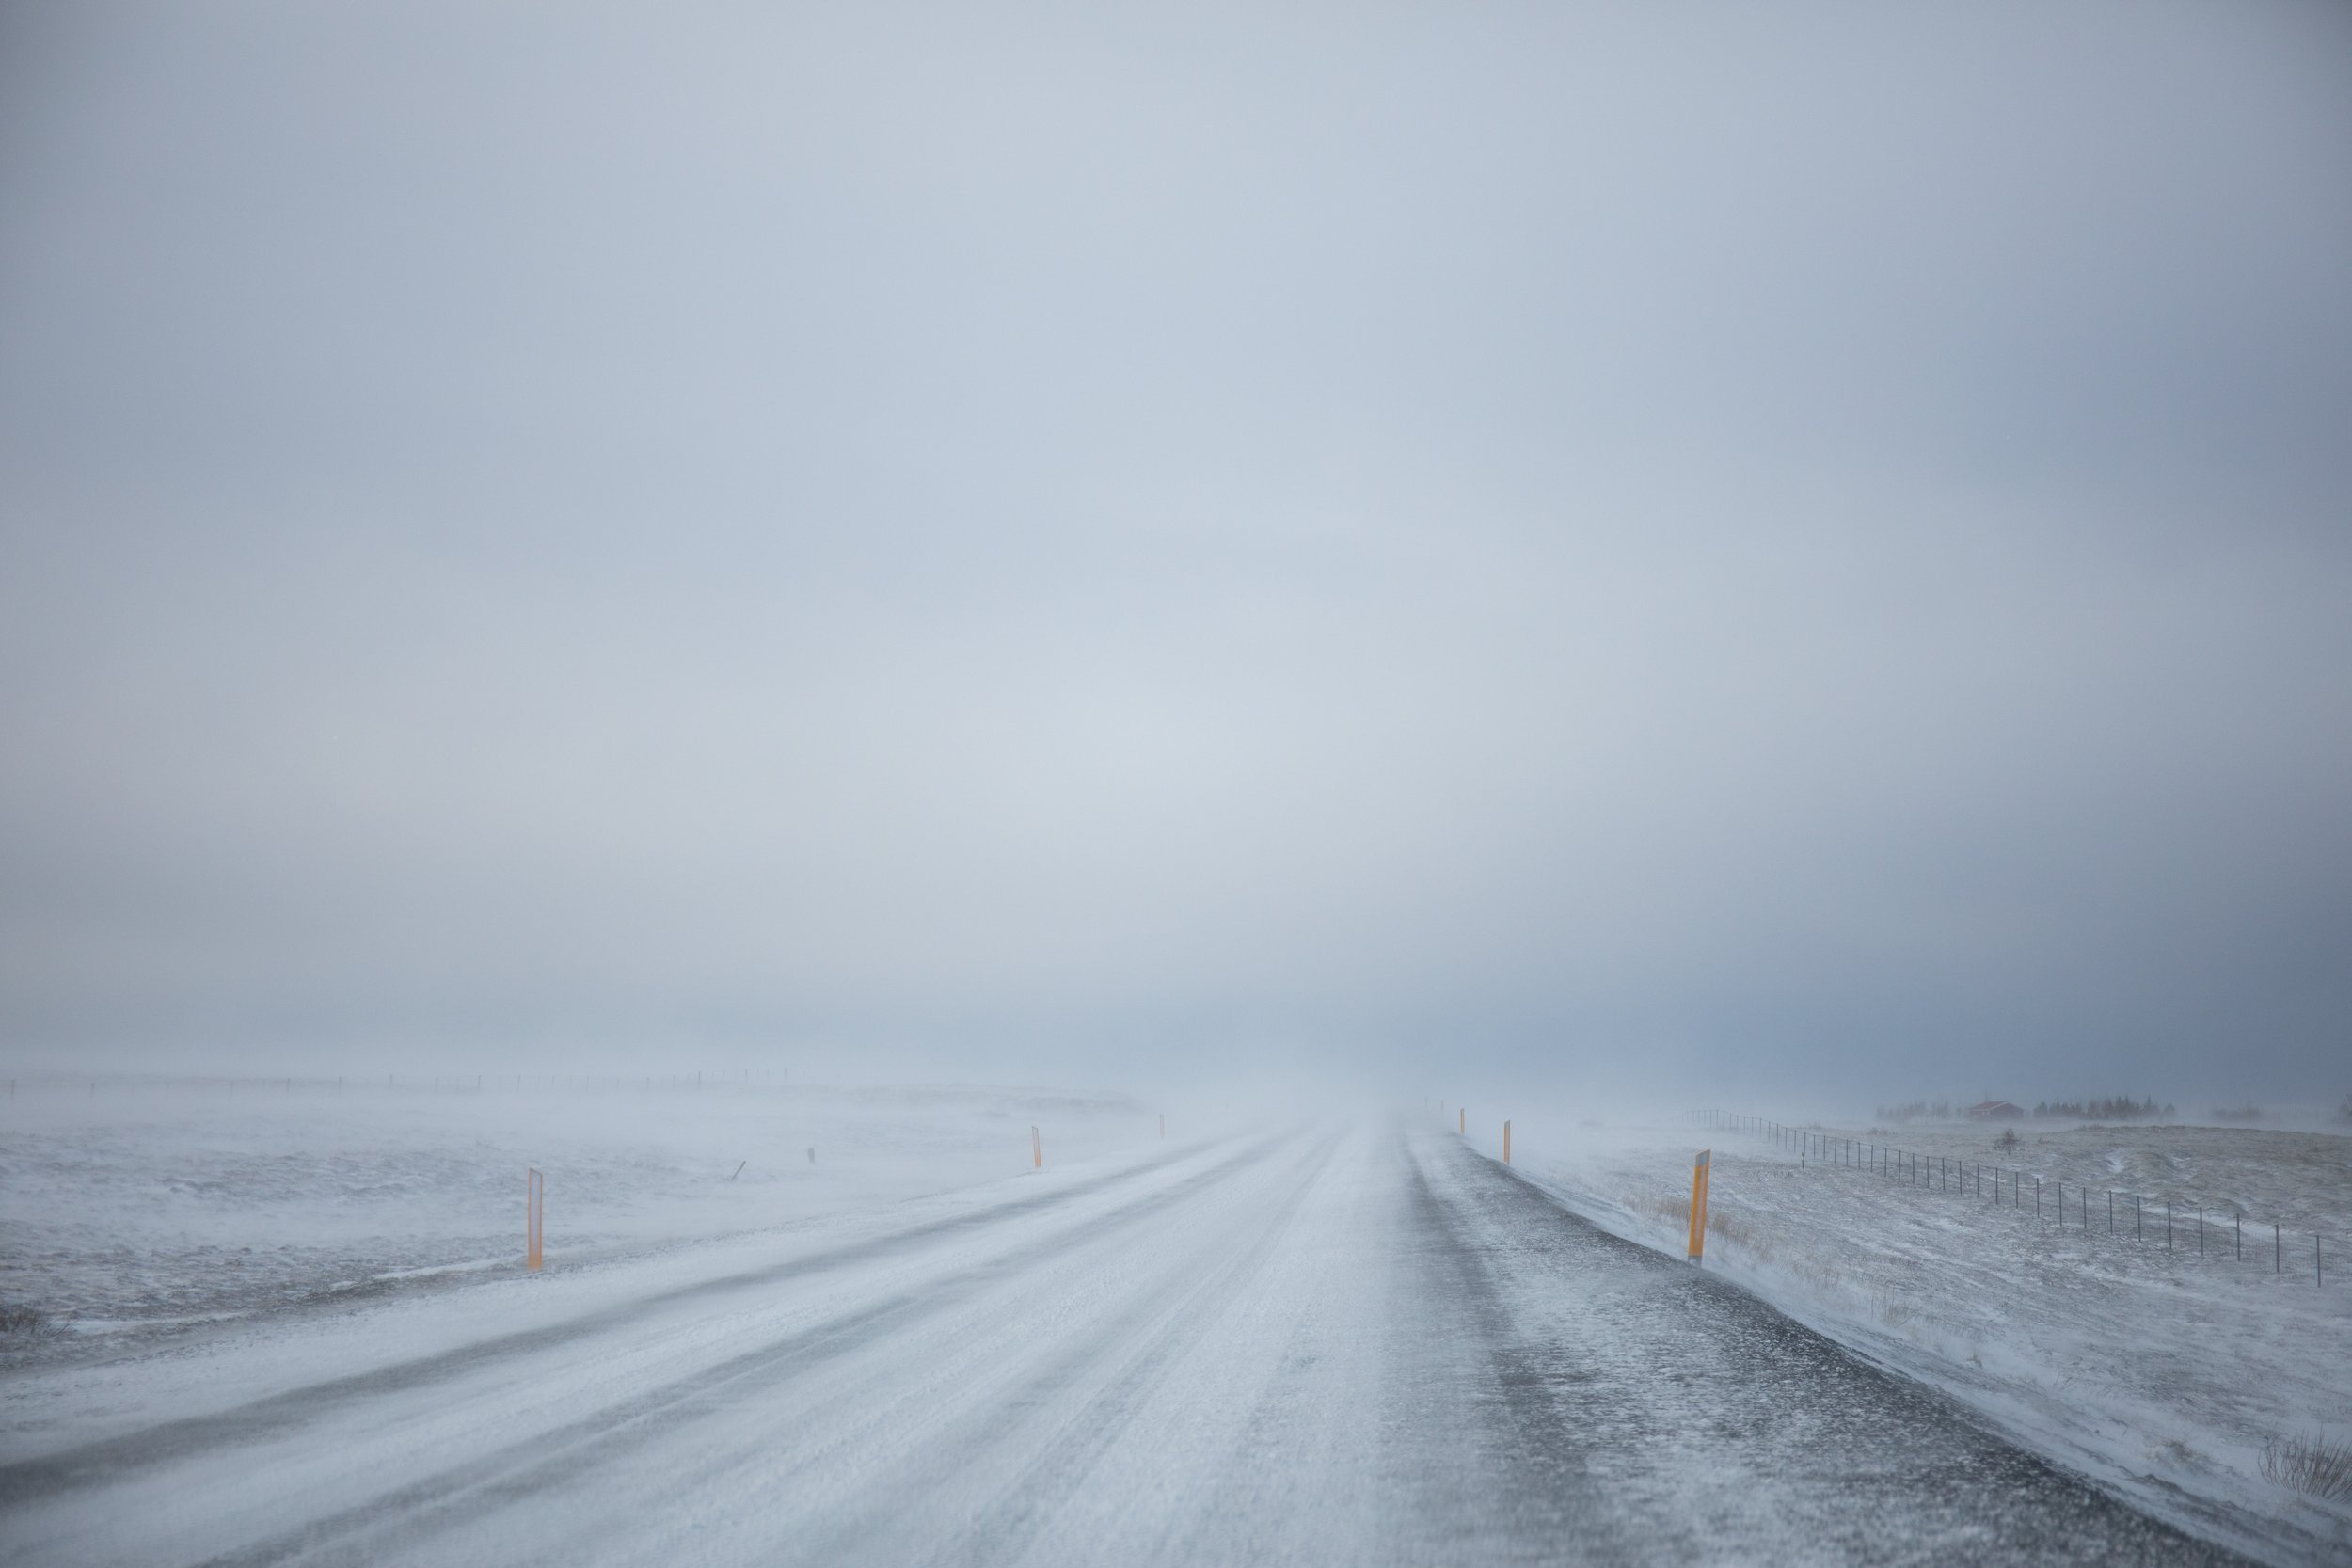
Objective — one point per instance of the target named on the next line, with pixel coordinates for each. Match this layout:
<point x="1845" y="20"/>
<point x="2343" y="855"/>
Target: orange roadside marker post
<point x="1461" y="1123"/>
<point x="534" y="1216"/>
<point x="1698" y="1204"/>
<point x="1506" y="1143"/>
<point x="1163" y="1124"/>
<point x="1036" y="1149"/>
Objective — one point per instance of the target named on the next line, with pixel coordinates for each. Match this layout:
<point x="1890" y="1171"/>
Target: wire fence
<point x="2126" y="1215"/>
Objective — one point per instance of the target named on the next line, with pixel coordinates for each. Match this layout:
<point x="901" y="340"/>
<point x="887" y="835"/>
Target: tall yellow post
<point x="534" y="1216"/>
<point x="1036" y="1149"/>
<point x="1506" y="1143"/>
<point x="1461" y="1124"/>
<point x="1698" y="1205"/>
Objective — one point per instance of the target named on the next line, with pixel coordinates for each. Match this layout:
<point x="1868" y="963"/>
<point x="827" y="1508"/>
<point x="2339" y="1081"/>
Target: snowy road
<point x="1351" y="1346"/>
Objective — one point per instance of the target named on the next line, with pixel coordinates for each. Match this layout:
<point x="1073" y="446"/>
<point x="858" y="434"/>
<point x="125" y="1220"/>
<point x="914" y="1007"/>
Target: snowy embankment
<point x="2164" y="1373"/>
<point x="134" y="1207"/>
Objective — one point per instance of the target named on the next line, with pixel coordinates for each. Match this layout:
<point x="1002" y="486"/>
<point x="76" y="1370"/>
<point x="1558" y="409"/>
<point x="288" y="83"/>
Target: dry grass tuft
<point x="22" y="1319"/>
<point x="1724" y="1224"/>
<point x="1893" y="1311"/>
<point x="2314" y="1465"/>
<point x="1666" y="1211"/>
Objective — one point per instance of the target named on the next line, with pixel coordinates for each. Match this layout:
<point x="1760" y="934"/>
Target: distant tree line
<point x="2121" y="1108"/>
<point x="2114" y="1108"/>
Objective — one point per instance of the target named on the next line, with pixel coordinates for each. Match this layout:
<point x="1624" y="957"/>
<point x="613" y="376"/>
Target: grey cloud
<point x="1812" y="539"/>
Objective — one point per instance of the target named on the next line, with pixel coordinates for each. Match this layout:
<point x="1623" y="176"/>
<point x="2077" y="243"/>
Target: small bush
<point x="2314" y="1465"/>
<point x="2006" y="1140"/>
<point x="22" y="1319"/>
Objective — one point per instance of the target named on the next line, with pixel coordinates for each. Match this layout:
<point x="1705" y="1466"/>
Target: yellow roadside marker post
<point x="1506" y="1143"/>
<point x="1036" y="1149"/>
<point x="1698" y="1205"/>
<point x="1461" y="1123"/>
<point x="534" y="1216"/>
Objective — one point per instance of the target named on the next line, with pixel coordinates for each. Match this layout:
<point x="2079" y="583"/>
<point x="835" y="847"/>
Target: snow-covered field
<point x="2165" y="1372"/>
<point x="141" y="1207"/>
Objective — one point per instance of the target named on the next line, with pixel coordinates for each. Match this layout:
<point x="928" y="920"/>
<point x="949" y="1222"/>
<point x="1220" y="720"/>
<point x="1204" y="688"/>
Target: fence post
<point x="534" y="1216"/>
<point x="1698" y="1204"/>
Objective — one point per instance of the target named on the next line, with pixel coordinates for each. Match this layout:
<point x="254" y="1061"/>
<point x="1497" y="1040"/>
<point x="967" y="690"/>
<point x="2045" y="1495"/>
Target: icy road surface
<point x="1352" y="1346"/>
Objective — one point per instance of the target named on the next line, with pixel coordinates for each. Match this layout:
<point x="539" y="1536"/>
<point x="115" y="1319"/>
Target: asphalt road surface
<point x="1355" y="1346"/>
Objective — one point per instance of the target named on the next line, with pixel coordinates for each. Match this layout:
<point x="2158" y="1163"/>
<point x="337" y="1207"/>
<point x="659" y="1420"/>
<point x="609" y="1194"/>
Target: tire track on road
<point x="1540" y="1491"/>
<point x="1146" y="1343"/>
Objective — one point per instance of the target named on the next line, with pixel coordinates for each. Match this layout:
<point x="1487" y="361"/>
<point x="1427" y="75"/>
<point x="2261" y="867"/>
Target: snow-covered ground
<point x="287" y="1305"/>
<point x="1306" y="1345"/>
<point x="2164" y="1372"/>
<point x="145" y="1206"/>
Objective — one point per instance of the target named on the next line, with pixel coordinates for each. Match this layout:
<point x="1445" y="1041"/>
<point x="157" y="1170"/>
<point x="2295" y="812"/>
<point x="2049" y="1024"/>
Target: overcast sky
<point x="1779" y="542"/>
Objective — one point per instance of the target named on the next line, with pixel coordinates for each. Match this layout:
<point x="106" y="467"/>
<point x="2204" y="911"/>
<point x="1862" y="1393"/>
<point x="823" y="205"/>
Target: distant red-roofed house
<point x="1996" y="1110"/>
